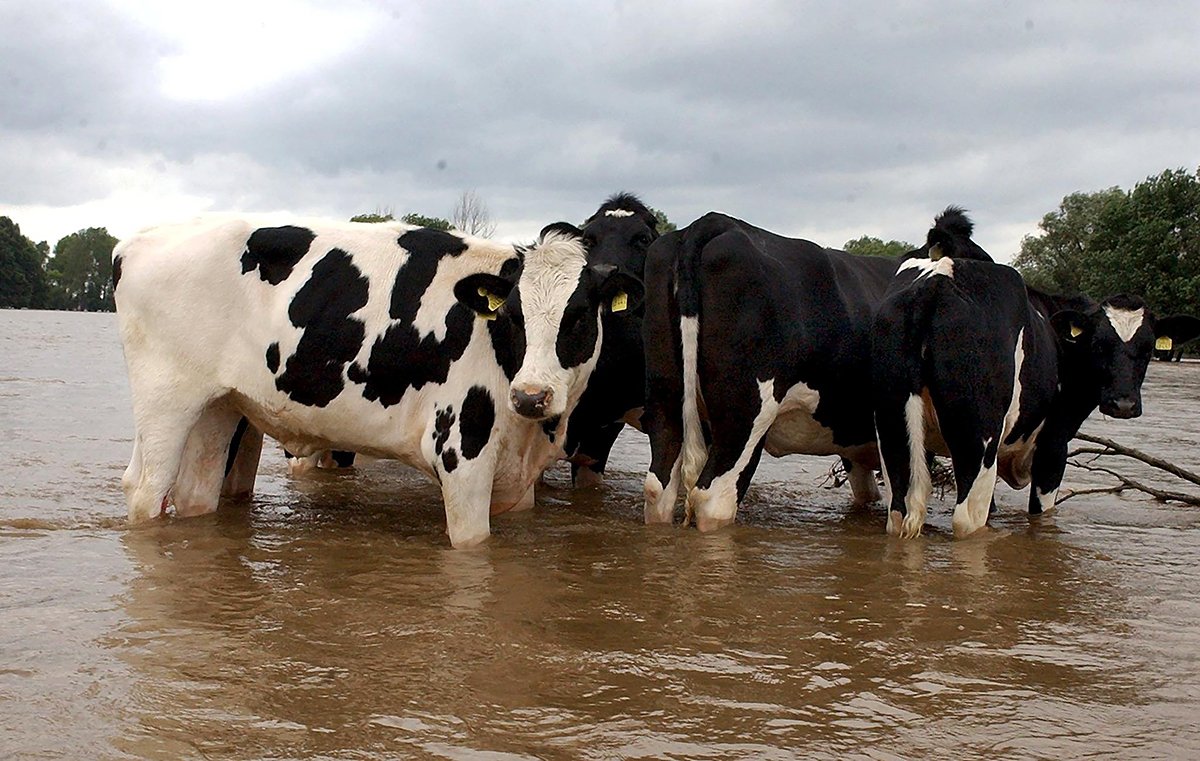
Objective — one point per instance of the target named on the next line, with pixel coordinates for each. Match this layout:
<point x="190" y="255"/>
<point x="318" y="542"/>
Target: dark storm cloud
<point x="805" y="118"/>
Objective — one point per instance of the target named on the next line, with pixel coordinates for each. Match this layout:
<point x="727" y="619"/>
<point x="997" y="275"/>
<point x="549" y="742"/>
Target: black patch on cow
<point x="449" y="460"/>
<point x="550" y="427"/>
<point x="274" y="251"/>
<point x="443" y="421"/>
<point x="508" y="336"/>
<point x="402" y="358"/>
<point x="116" y="271"/>
<point x="273" y="358"/>
<point x="478" y="417"/>
<point x="331" y="338"/>
<point x="579" y="329"/>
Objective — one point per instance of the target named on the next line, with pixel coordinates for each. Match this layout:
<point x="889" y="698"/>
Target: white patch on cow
<point x="1046" y="499"/>
<point x="971" y="514"/>
<point x="929" y="267"/>
<point x="920" y="485"/>
<point x="660" y="498"/>
<point x="795" y="431"/>
<point x="550" y="275"/>
<point x="1125" y="321"/>
<point x="695" y="453"/>
<point x="1014" y="404"/>
<point x="716" y="506"/>
<point x="618" y="213"/>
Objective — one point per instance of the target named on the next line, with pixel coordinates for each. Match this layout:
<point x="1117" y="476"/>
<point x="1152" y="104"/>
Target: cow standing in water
<point x="968" y="362"/>
<point x="766" y="340"/>
<point x="459" y="356"/>
<point x="617" y="235"/>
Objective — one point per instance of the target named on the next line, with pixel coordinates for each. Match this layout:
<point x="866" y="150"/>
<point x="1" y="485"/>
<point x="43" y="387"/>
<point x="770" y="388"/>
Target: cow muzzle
<point x="1122" y="408"/>
<point x="531" y="402"/>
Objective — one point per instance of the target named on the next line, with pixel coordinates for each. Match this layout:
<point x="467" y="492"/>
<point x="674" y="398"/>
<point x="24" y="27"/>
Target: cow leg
<point x="735" y="451"/>
<point x="467" y="494"/>
<point x="202" y="470"/>
<point x="863" y="488"/>
<point x="1046" y="472"/>
<point x="164" y="418"/>
<point x="974" y="459"/>
<point x="593" y="455"/>
<point x="241" y="468"/>
<point x="900" y="425"/>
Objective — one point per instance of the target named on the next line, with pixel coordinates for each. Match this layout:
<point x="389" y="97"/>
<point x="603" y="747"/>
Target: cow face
<point x="1110" y="345"/>
<point x="619" y="234"/>
<point x="550" y="313"/>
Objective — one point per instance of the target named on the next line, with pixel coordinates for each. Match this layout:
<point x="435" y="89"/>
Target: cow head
<point x="1107" y="348"/>
<point x="619" y="233"/>
<point x="549" y="311"/>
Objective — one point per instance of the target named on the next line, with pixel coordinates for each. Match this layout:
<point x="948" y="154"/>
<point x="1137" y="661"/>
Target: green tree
<point x="868" y="246"/>
<point x="1145" y="242"/>
<point x="435" y="223"/>
<point x="22" y="279"/>
<point x="664" y="225"/>
<point x="375" y="217"/>
<point x="80" y="271"/>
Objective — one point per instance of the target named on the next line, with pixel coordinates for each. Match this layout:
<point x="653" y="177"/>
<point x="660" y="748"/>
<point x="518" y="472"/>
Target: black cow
<point x="1173" y="333"/>
<point x="617" y="235"/>
<point x="968" y="362"/>
<point x="764" y="339"/>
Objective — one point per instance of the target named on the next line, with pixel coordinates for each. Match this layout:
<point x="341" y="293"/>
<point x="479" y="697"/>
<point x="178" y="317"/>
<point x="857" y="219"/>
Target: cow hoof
<point x="706" y="524"/>
<point x="586" y="478"/>
<point x="467" y="542"/>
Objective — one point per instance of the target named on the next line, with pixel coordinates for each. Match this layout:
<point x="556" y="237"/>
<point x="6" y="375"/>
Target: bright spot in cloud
<point x="222" y="49"/>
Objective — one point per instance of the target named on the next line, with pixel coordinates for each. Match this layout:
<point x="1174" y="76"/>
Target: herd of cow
<point x="481" y="363"/>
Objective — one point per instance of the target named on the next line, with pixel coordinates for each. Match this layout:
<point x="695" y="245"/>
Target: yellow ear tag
<point x="1076" y="332"/>
<point x="494" y="303"/>
<point x="1164" y="344"/>
<point x="620" y="302"/>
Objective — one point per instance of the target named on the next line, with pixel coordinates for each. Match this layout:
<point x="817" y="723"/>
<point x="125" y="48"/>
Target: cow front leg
<point x="467" y="494"/>
<point x="863" y="489"/>
<point x="164" y="414"/>
<point x="1046" y="471"/>
<point x="241" y="469"/>
<point x="205" y="457"/>
<point x="588" y="463"/>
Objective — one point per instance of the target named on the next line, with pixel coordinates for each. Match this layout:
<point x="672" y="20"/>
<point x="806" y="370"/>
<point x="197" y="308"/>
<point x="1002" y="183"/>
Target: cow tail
<point x="695" y="451"/>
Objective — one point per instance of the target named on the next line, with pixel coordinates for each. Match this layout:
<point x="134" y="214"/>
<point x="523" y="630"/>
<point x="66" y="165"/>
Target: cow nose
<point x="531" y="404"/>
<point x="1122" y="408"/>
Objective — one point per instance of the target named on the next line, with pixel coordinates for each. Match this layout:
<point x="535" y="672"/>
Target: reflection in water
<point x="327" y="617"/>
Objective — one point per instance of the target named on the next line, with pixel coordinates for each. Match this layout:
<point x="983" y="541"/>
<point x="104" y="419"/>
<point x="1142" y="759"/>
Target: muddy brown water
<point x="328" y="617"/>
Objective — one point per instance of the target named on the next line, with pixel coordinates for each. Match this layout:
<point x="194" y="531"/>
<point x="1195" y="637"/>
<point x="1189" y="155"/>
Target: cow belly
<point x="795" y="430"/>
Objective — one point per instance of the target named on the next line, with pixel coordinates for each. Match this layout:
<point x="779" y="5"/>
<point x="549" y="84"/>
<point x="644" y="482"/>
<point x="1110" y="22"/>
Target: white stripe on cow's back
<point x="1125" y="321"/>
<point x="618" y="213"/>
<point x="929" y="267"/>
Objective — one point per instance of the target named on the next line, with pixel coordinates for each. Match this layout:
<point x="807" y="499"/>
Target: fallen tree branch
<point x="1112" y="447"/>
<point x="1128" y="483"/>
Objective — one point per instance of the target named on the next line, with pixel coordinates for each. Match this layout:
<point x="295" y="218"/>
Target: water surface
<point x="328" y="618"/>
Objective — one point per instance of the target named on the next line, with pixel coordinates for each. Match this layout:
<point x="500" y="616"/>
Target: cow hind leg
<point x="863" y="488"/>
<point x="732" y="460"/>
<point x="974" y="459"/>
<point x="205" y="456"/>
<point x="164" y="421"/>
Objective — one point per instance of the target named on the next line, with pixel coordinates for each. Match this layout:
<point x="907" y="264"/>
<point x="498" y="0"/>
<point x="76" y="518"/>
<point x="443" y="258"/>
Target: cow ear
<point x="1175" y="330"/>
<point x="483" y="293"/>
<point x="620" y="292"/>
<point x="561" y="228"/>
<point x="939" y="243"/>
<point x="1070" y="326"/>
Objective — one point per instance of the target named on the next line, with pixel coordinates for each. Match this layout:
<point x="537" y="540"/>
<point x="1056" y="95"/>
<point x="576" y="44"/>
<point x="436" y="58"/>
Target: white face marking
<point x="549" y="277"/>
<point x="618" y="213"/>
<point x="1125" y="321"/>
<point x="928" y="268"/>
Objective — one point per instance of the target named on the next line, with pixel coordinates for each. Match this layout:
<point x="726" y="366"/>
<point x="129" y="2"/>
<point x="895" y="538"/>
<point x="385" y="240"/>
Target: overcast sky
<point x="820" y="120"/>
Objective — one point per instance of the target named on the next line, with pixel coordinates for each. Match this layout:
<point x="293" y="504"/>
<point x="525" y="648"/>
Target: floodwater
<point x="328" y="618"/>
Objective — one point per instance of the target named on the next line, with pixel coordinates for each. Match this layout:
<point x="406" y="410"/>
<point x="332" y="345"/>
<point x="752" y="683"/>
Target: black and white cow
<point x="766" y="341"/>
<point x="617" y="235"/>
<point x="459" y="356"/>
<point x="968" y="362"/>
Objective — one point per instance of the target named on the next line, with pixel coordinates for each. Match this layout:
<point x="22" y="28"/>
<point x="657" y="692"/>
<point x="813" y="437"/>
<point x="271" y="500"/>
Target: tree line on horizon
<point x="1144" y="241"/>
